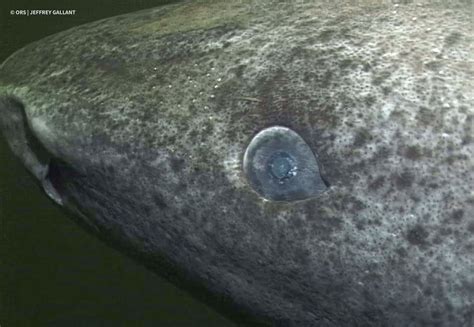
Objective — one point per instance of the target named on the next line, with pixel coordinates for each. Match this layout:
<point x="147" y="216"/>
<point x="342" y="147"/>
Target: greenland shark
<point x="295" y="163"/>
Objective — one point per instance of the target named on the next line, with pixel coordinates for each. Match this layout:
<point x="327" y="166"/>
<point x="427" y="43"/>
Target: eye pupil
<point x="282" y="166"/>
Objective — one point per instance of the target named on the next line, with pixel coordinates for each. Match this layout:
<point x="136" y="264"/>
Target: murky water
<point x="52" y="273"/>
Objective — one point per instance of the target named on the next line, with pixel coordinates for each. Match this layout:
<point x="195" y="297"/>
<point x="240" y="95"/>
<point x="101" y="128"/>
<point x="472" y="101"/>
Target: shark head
<point x="301" y="163"/>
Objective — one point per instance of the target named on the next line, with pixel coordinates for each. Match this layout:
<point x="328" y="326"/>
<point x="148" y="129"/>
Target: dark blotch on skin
<point x="452" y="39"/>
<point x="381" y="77"/>
<point x="425" y="116"/>
<point x="345" y="63"/>
<point x="468" y="130"/>
<point x="386" y="90"/>
<point x="325" y="226"/>
<point x="370" y="100"/>
<point x="457" y="215"/>
<point x="177" y="164"/>
<point x="434" y="65"/>
<point x="377" y="183"/>
<point x="160" y="201"/>
<point x="413" y="153"/>
<point x="366" y="67"/>
<point x="470" y="227"/>
<point x="403" y="180"/>
<point x="239" y="71"/>
<point x="362" y="137"/>
<point x="402" y="253"/>
<point x="417" y="236"/>
<point x="326" y="35"/>
<point x="382" y="153"/>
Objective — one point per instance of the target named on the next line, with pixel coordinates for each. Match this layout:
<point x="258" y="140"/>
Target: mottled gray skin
<point x="145" y="119"/>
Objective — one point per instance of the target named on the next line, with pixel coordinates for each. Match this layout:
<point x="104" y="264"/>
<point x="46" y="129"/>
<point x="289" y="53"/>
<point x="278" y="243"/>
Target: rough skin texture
<point x="146" y="118"/>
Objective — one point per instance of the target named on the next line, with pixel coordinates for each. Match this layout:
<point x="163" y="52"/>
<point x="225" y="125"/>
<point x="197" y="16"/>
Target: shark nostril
<point x="52" y="182"/>
<point x="20" y="138"/>
<point x="50" y="189"/>
<point x="25" y="144"/>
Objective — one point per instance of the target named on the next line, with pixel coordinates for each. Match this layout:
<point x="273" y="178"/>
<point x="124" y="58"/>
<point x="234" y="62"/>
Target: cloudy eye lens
<point x="280" y="166"/>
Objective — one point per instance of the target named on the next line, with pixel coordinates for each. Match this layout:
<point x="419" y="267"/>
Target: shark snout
<point x="25" y="144"/>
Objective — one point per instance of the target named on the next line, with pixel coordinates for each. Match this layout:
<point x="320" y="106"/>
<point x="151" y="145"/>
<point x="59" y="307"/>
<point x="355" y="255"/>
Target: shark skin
<point x="138" y="125"/>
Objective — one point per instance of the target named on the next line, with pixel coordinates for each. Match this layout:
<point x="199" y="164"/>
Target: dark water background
<point x="52" y="273"/>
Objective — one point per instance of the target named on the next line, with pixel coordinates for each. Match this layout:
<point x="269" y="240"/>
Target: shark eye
<point x="280" y="166"/>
